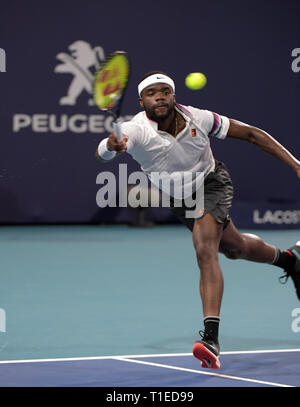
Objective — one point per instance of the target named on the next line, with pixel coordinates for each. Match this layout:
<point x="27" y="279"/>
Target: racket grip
<point x="117" y="129"/>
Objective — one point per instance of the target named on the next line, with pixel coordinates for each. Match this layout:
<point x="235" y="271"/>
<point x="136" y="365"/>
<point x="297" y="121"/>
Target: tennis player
<point x="166" y="136"/>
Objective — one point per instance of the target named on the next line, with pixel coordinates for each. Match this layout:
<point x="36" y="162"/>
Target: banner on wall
<point x="81" y="61"/>
<point x="50" y="127"/>
<point x="264" y="215"/>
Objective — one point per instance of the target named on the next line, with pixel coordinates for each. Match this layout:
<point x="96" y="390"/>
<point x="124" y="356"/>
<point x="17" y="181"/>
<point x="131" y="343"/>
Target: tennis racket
<point x="110" y="84"/>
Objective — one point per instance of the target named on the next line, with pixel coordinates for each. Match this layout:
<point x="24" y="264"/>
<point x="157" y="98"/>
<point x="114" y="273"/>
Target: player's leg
<point x="207" y="230"/>
<point x="206" y="238"/>
<point x="236" y="245"/>
<point x="207" y="233"/>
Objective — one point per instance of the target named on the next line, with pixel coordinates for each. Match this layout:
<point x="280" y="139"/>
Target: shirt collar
<point x="179" y="108"/>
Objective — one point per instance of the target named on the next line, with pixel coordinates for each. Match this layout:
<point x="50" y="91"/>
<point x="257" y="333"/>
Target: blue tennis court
<point x="240" y="369"/>
<point x="119" y="306"/>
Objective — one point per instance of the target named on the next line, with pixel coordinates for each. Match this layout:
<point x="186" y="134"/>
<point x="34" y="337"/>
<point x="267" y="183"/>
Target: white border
<point x="140" y="356"/>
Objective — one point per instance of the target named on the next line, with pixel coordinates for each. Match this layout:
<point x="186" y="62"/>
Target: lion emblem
<point x="79" y="62"/>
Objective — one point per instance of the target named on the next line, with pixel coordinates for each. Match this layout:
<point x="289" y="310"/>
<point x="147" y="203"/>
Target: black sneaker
<point x="207" y="351"/>
<point x="294" y="272"/>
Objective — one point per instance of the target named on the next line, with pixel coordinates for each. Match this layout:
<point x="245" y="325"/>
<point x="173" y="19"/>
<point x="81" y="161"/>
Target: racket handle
<point x="117" y="130"/>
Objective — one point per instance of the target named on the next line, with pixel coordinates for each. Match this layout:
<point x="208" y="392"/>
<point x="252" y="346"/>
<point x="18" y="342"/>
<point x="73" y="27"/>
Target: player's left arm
<point x="263" y="140"/>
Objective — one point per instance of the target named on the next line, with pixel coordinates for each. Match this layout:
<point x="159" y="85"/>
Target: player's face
<point x="158" y="101"/>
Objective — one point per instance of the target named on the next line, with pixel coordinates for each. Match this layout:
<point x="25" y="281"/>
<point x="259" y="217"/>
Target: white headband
<point x="156" y="78"/>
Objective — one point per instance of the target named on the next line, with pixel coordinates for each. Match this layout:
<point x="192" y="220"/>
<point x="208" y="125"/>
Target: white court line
<point x="224" y="376"/>
<point x="139" y="356"/>
<point x="258" y="351"/>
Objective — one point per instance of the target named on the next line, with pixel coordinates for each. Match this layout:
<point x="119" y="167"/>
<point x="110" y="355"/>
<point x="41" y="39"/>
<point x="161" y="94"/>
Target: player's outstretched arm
<point x="264" y="141"/>
<point x="107" y="147"/>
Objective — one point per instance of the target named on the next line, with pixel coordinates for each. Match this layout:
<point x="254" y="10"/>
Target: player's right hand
<point x="115" y="144"/>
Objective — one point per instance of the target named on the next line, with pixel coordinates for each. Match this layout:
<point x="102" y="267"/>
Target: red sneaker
<point x="208" y="353"/>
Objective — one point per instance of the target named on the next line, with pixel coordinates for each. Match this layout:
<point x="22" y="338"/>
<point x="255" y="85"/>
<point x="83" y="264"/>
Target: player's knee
<point x="236" y="250"/>
<point x="233" y="253"/>
<point x="205" y="254"/>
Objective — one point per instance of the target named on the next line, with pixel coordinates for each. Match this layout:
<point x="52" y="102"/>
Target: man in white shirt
<point x="168" y="137"/>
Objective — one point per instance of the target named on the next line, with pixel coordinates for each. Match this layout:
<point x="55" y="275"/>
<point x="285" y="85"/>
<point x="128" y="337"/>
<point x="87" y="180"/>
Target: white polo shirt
<point x="159" y="152"/>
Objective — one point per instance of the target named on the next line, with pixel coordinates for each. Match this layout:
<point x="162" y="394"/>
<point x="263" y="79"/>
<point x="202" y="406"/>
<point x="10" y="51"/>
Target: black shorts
<point x="218" y="195"/>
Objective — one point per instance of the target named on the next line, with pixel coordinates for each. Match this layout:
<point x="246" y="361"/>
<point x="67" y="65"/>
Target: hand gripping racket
<point x="110" y="85"/>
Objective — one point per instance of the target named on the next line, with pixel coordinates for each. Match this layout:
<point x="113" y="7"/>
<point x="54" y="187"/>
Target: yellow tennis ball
<point x="195" y="80"/>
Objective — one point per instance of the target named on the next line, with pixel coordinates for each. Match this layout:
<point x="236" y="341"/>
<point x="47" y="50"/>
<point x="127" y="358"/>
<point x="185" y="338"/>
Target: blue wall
<point x="48" y="175"/>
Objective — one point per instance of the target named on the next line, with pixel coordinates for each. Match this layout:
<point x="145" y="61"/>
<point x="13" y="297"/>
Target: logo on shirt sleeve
<point x="193" y="132"/>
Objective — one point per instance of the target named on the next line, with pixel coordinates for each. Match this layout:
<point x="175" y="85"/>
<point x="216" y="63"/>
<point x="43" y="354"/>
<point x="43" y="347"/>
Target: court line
<point x="259" y="351"/>
<point x="224" y="376"/>
<point x="139" y="356"/>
